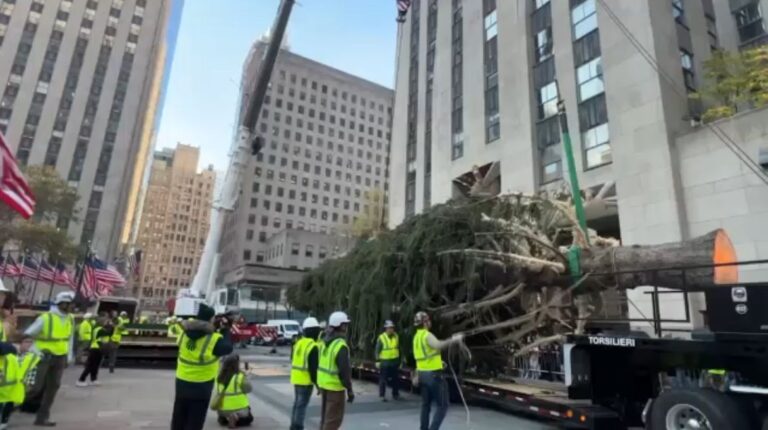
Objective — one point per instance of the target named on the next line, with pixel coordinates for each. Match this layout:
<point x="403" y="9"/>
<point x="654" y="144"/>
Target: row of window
<point x="333" y="91"/>
<point x="328" y="119"/>
<point x="491" y="67"/>
<point x="324" y="215"/>
<point x="413" y="103"/>
<point x="457" y="82"/>
<point x="303" y="109"/>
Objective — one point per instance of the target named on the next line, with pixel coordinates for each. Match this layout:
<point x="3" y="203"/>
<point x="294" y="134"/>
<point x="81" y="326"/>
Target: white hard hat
<point x="88" y="315"/>
<point x="337" y="319"/>
<point x="310" y="322"/>
<point x="389" y="324"/>
<point x="123" y="313"/>
<point x="64" y="297"/>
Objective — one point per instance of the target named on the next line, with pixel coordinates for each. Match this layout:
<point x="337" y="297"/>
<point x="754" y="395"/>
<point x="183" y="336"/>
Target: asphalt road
<point x="272" y="398"/>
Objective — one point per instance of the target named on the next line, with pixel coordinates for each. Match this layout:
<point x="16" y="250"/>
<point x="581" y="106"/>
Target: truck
<point x="714" y="378"/>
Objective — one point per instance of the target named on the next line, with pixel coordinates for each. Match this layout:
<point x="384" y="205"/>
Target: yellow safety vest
<point x="427" y="358"/>
<point x="233" y="396"/>
<point x="196" y="362"/>
<point x="55" y="335"/>
<point x="84" y="331"/>
<point x="28" y="362"/>
<point x="327" y="370"/>
<point x="117" y="334"/>
<point x="300" y="361"/>
<point x="98" y="338"/>
<point x="9" y="378"/>
<point x="3" y="334"/>
<point x="390" y="347"/>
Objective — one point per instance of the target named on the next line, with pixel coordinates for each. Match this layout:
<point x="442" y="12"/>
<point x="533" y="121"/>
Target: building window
<point x="547" y="100"/>
<point x="247" y="255"/>
<point x="686" y="60"/>
<point x="309" y="251"/>
<point x="491" y="61"/>
<point x="260" y="257"/>
<point x="749" y="22"/>
<point x="596" y="144"/>
<point x="413" y="99"/>
<point x="589" y="78"/>
<point x="543" y="44"/>
<point x="584" y="19"/>
<point x="678" y="12"/>
<point x="295" y="248"/>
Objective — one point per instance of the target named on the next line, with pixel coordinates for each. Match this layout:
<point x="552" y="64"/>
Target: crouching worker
<point x="9" y="364"/>
<point x="231" y="400"/>
<point x="27" y="373"/>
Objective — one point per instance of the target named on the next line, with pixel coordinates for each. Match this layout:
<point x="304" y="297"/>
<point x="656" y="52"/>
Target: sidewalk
<point x="129" y="399"/>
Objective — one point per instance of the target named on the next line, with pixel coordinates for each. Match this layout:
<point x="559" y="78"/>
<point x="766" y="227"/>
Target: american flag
<point x="100" y="278"/>
<point x="46" y="272"/>
<point x="14" y="189"/>
<point x="29" y="269"/>
<point x="134" y="263"/>
<point x="402" y="9"/>
<point x="62" y="276"/>
<point x="9" y="267"/>
<point x="105" y="273"/>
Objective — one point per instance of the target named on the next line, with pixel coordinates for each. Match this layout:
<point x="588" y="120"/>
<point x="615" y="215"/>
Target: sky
<point x="356" y="36"/>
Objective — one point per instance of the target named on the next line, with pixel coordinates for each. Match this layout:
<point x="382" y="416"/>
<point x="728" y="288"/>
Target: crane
<point x="246" y="144"/>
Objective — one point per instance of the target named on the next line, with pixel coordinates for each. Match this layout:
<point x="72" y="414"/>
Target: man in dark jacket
<point x="200" y="347"/>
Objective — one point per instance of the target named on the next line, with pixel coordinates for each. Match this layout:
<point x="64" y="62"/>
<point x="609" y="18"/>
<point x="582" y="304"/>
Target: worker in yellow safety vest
<point x="84" y="331"/>
<point x="334" y="372"/>
<point x="100" y="337"/>
<point x="304" y="362"/>
<point x="200" y="346"/>
<point x="54" y="333"/>
<point x="388" y="360"/>
<point x="232" y="388"/>
<point x="28" y="360"/>
<point x="429" y="370"/>
<point x="9" y="378"/>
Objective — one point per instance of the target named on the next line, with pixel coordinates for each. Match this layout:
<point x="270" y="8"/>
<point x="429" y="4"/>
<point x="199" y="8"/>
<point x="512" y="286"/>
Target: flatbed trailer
<point x="711" y="379"/>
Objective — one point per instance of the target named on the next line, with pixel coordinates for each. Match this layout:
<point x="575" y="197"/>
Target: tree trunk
<point x="662" y="265"/>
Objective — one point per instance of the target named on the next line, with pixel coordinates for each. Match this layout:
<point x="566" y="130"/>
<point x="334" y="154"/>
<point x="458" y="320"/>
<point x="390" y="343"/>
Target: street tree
<point x="55" y="200"/>
<point x="733" y="82"/>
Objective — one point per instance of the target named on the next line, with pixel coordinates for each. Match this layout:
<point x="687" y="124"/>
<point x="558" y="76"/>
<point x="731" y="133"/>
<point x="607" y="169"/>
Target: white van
<point x="288" y="330"/>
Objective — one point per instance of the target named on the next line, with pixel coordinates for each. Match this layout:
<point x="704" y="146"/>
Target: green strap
<point x="574" y="261"/>
<point x="205" y="347"/>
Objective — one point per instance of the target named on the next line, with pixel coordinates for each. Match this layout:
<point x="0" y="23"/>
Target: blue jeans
<point x="303" y="395"/>
<point x="388" y="373"/>
<point x="433" y="389"/>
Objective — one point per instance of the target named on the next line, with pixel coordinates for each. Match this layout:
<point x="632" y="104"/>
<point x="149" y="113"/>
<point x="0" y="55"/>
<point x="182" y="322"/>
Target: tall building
<point x="140" y="175"/>
<point x="326" y="137"/>
<point x="478" y="83"/>
<point x="81" y="83"/>
<point x="174" y="223"/>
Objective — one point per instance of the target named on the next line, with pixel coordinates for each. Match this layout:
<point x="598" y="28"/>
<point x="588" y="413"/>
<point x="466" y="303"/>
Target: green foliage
<point x="402" y="271"/>
<point x="54" y="199"/>
<point x="734" y="81"/>
<point x="373" y="220"/>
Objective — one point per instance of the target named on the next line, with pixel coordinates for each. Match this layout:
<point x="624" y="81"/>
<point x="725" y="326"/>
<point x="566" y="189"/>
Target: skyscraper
<point x="326" y="140"/>
<point x="174" y="224"/>
<point x="79" y="86"/>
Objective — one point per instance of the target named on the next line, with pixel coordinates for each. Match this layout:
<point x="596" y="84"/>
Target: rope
<point x="463" y="348"/>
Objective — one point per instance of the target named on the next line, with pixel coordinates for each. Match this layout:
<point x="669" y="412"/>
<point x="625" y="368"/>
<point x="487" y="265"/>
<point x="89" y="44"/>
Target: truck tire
<point x="710" y="409"/>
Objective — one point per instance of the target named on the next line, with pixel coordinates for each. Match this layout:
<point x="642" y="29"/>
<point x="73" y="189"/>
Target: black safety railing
<point x="684" y="287"/>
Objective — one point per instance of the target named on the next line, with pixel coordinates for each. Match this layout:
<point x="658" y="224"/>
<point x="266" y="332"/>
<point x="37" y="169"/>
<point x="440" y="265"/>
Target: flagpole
<point x="37" y="278"/>
<point x="20" y="279"/>
<point x="81" y="276"/>
<point x="5" y="263"/>
<point x="53" y="278"/>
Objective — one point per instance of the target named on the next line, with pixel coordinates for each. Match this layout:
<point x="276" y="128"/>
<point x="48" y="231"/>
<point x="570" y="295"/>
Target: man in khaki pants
<point x="334" y="372"/>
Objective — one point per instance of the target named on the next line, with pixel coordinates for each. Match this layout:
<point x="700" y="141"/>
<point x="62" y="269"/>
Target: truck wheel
<point x="696" y="409"/>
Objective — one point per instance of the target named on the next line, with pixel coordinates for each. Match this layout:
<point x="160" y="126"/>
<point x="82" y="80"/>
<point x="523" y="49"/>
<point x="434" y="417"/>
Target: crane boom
<point x="245" y="145"/>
